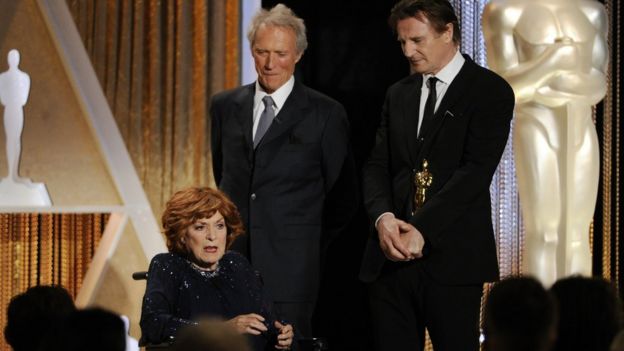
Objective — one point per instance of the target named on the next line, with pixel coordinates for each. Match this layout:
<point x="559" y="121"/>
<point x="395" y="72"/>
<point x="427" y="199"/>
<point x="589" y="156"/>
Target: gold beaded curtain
<point x="45" y="249"/>
<point x="608" y="220"/>
<point x="158" y="62"/>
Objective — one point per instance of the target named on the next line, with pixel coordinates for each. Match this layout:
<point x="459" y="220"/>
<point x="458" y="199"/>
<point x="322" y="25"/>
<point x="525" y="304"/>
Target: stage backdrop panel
<point x="100" y="227"/>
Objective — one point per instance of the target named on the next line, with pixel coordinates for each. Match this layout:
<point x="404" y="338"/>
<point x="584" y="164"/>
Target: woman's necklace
<point x="205" y="272"/>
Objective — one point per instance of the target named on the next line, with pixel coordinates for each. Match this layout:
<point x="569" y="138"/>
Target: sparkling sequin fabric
<point x="177" y="294"/>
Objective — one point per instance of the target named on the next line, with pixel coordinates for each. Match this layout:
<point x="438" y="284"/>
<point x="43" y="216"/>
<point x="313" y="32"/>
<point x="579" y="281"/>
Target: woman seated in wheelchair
<point x="199" y="279"/>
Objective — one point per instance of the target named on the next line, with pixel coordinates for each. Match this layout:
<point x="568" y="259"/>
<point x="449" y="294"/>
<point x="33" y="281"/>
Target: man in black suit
<point x="426" y="187"/>
<point x="281" y="152"/>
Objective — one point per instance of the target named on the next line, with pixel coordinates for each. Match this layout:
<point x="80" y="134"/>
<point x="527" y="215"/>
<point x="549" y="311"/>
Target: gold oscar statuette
<point x="422" y="181"/>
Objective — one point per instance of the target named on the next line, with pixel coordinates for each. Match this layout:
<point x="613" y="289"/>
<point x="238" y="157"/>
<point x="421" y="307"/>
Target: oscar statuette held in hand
<point x="422" y="181"/>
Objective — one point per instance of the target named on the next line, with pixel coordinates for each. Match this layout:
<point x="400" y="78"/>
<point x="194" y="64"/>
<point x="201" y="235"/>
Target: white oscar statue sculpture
<point x="15" y="190"/>
<point x="554" y="55"/>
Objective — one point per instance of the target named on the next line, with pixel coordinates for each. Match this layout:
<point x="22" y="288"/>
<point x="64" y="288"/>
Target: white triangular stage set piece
<point x="135" y="209"/>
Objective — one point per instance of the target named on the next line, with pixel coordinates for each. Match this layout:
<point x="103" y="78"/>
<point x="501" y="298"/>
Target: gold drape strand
<point x="90" y="27"/>
<point x="232" y="21"/>
<point x="22" y="249"/>
<point x="105" y="220"/>
<point x="60" y="225"/>
<point x="199" y="85"/>
<point x="68" y="244"/>
<point x="93" y="235"/>
<point x="484" y="295"/>
<point x="10" y="252"/>
<point x="173" y="93"/>
<point x="34" y="248"/>
<point x="47" y="247"/>
<point x="17" y="251"/>
<point x="64" y="251"/>
<point x="123" y="75"/>
<point x="110" y="49"/>
<point x="607" y="153"/>
<point x="24" y="240"/>
<point x="99" y="225"/>
<point x="5" y="269"/>
<point x="78" y="254"/>
<point x="591" y="236"/>
<point x="99" y="48"/>
<point x="56" y="254"/>
<point x="8" y="248"/>
<point x="81" y="253"/>
<point x="591" y="224"/>
<point x="24" y="253"/>
<point x="71" y="241"/>
<point x="152" y="109"/>
<point x="618" y="142"/>
<point x="78" y="257"/>
<point x="138" y="75"/>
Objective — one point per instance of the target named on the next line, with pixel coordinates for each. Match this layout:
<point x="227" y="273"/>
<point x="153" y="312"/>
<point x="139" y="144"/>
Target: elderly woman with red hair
<point x="199" y="278"/>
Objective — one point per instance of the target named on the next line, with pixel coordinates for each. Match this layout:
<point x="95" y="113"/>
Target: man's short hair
<point x="519" y="315"/>
<point x="279" y="16"/>
<point x="590" y="305"/>
<point x="32" y="314"/>
<point x="93" y="329"/>
<point x="438" y="12"/>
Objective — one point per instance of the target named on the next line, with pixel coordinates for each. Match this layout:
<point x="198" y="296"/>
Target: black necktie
<point x="429" y="106"/>
<point x="265" y="120"/>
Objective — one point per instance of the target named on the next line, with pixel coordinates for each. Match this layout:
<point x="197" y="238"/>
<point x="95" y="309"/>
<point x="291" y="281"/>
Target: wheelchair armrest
<point x="139" y="275"/>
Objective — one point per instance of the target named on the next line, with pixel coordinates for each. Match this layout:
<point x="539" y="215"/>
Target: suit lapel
<point x="456" y="91"/>
<point x="244" y="114"/>
<point x="289" y="114"/>
<point x="411" y="109"/>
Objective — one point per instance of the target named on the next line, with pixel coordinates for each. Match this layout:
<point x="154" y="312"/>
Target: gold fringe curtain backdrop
<point x="45" y="249"/>
<point x="608" y="219"/>
<point x="159" y="62"/>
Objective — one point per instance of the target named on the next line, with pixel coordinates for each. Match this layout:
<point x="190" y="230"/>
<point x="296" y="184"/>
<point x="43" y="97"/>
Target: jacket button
<point x="253" y="196"/>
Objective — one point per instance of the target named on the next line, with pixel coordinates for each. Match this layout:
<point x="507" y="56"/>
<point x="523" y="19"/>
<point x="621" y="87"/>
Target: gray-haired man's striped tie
<point x="266" y="118"/>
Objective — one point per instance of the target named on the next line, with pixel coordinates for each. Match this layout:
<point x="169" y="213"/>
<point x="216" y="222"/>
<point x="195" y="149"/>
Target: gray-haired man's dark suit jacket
<point x="295" y="191"/>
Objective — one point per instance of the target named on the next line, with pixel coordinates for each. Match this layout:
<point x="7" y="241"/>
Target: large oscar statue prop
<point x="554" y="55"/>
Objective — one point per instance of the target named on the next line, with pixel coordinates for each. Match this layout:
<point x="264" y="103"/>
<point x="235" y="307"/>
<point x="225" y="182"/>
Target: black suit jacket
<point x="295" y="191"/>
<point x="463" y="146"/>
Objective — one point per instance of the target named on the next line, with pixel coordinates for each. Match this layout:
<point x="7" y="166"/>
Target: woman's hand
<point x="285" y="336"/>
<point x="248" y="324"/>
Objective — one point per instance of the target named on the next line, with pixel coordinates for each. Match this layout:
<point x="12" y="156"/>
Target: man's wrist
<point x="382" y="215"/>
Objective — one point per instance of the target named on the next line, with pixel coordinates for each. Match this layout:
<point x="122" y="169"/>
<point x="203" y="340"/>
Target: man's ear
<point x="448" y="33"/>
